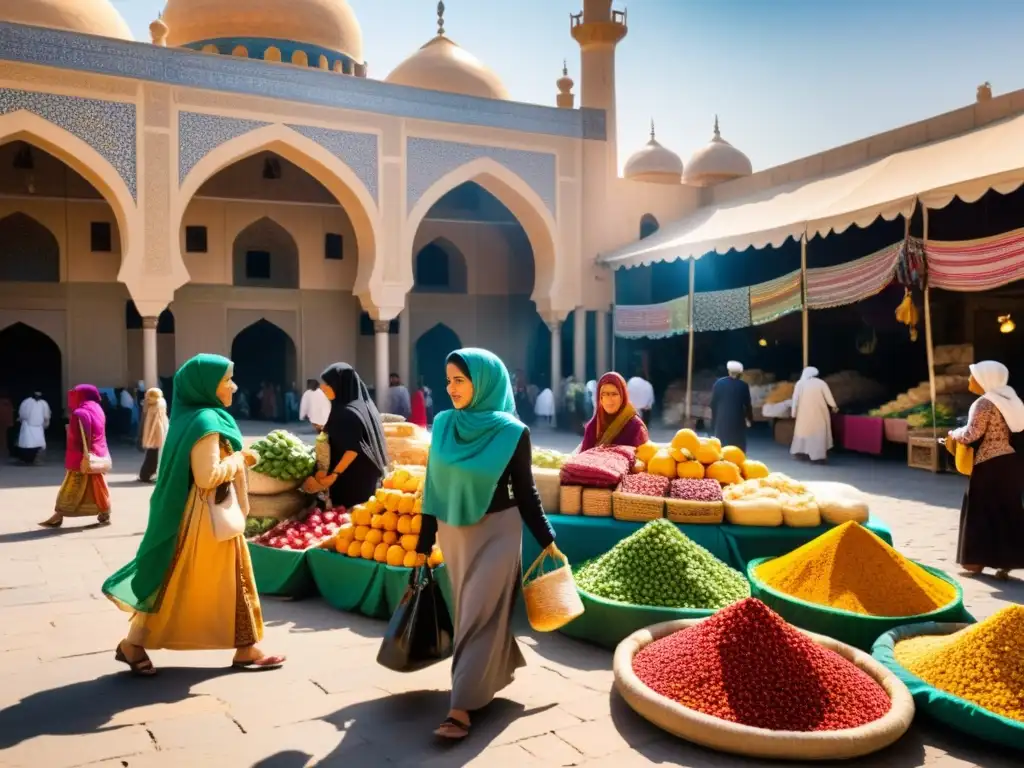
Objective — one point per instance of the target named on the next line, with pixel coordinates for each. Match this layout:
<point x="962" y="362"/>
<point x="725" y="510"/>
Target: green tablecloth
<point x="584" y="538"/>
<point x="281" y="572"/>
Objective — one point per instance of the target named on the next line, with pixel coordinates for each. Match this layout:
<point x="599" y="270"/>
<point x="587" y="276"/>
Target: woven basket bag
<point x="551" y="598"/>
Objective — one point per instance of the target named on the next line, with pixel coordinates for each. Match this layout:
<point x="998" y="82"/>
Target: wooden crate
<point x="924" y="453"/>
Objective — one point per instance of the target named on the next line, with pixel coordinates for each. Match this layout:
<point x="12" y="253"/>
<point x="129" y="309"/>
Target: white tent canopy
<point x="964" y="166"/>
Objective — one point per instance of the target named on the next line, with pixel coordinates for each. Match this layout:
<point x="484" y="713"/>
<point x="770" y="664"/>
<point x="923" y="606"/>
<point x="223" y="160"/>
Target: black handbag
<point x="420" y="631"/>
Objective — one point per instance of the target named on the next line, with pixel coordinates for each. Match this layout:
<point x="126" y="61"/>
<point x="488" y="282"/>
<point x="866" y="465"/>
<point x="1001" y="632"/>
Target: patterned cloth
<point x="653" y="321"/>
<point x="976" y="265"/>
<point x="775" y="298"/>
<point x="853" y="281"/>
<point x="721" y="310"/>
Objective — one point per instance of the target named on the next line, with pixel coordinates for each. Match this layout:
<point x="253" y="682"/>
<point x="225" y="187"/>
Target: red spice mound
<point x="747" y="665"/>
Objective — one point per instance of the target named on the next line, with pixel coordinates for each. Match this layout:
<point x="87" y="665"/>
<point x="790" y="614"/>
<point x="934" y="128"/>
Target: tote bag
<point x="226" y="515"/>
<point x="420" y="631"/>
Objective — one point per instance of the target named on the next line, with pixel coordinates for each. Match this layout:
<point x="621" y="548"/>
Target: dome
<point x="329" y="24"/>
<point x="653" y="162"/>
<point x="91" y="17"/>
<point x="716" y="162"/>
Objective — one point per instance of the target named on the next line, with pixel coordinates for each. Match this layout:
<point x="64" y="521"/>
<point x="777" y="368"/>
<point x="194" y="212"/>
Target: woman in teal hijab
<point x="479" y="491"/>
<point x="185" y="589"/>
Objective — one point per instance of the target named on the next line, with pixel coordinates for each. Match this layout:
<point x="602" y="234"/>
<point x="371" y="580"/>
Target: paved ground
<point x="64" y="702"/>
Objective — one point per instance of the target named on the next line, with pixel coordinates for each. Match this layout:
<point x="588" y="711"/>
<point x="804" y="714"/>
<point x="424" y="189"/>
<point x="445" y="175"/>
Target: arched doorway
<point x="648" y="226"/>
<point x="29" y="252"/>
<point x="32" y="363"/>
<point x="263" y="355"/>
<point x="432" y="348"/>
<point x="264" y="255"/>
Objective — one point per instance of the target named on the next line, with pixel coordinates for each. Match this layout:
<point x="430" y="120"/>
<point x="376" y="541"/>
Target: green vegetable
<point x="659" y="566"/>
<point x="544" y="457"/>
<point x="284" y="456"/>
<point x="254" y="526"/>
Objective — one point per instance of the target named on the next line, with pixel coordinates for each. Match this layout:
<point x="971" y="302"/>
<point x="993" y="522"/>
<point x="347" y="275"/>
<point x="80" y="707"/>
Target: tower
<point x="565" y="98"/>
<point x="598" y="29"/>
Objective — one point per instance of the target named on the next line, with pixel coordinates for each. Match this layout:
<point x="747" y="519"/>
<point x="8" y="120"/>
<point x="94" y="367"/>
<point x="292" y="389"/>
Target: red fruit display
<point x="296" y="534"/>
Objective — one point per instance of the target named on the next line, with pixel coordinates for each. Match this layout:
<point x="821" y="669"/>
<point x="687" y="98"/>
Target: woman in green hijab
<point x="187" y="590"/>
<point x="479" y="491"/>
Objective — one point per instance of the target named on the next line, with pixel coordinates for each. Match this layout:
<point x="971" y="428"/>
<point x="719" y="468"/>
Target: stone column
<point x="404" y="359"/>
<point x="579" y="345"/>
<point x="381" y="362"/>
<point x="601" y="331"/>
<point x="556" y="360"/>
<point x="150" y="365"/>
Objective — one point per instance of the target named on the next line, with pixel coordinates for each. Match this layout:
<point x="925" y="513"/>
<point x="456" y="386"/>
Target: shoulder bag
<point x="91" y="463"/>
<point x="226" y="515"/>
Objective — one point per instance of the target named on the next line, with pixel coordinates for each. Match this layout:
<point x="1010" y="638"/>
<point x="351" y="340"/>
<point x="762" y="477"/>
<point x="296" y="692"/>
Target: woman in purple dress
<point x="615" y="420"/>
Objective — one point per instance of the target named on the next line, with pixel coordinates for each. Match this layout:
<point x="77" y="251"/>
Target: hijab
<point x="810" y="372"/>
<point x="607" y="426"/>
<point x="352" y="404"/>
<point x="196" y="412"/>
<point x="993" y="378"/>
<point x="472" y="446"/>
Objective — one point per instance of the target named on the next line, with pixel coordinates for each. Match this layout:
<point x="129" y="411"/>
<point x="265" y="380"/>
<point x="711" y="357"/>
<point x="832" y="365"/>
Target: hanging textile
<point x="854" y="281"/>
<point x="653" y="321"/>
<point x="911" y="266"/>
<point x="775" y="298"/>
<point x="721" y="310"/>
<point x="976" y="265"/>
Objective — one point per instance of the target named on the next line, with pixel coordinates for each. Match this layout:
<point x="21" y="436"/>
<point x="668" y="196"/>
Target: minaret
<point x="598" y="29"/>
<point x="158" y="31"/>
<point x="565" y="98"/>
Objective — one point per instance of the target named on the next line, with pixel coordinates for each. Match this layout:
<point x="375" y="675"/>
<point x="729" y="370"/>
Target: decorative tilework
<point x="430" y="159"/>
<point x="199" y="134"/>
<point x="106" y="126"/>
<point x="69" y="50"/>
<point x="356" y="150"/>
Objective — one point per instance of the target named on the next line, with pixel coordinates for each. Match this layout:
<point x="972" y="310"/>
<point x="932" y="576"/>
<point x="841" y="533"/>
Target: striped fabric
<point x="770" y="301"/>
<point x="976" y="265"/>
<point x="653" y="321"/>
<point x="852" y="282"/>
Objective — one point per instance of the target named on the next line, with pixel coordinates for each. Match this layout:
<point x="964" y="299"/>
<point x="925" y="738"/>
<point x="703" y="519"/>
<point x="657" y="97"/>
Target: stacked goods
<point x="407" y="443"/>
<point x="548" y="459"/>
<point x="284" y="457"/>
<point x="693" y="457"/>
<point x="315" y="530"/>
<point x="695" y="501"/>
<point x="771" y="500"/>
<point x="839" y="503"/>
<point x="256" y="526"/>
<point x="601" y="467"/>
<point x="779" y="403"/>
<point x="640" y="497"/>
<point x="547" y="465"/>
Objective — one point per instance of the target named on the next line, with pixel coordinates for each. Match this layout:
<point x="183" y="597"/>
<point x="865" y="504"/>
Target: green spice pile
<point x="659" y="566"/>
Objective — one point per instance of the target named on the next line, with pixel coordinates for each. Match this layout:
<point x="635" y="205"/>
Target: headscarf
<point x="607" y="426"/>
<point x="154" y="426"/>
<point x="472" y="446"/>
<point x="351" y="405"/>
<point x="993" y="378"/>
<point x="196" y="412"/>
<point x="810" y="372"/>
<point x="734" y="367"/>
<point x="86" y="417"/>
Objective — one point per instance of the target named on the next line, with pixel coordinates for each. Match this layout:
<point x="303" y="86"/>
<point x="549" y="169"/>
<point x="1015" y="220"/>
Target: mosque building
<point x="242" y="184"/>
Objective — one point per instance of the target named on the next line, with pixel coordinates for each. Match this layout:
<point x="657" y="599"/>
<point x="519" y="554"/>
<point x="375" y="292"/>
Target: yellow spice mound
<point x="983" y="664"/>
<point x="850" y="568"/>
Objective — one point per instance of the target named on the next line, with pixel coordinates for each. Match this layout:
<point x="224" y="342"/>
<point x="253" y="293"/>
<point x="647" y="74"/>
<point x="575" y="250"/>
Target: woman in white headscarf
<point x="153" y="432"/>
<point x="813" y="406"/>
<point x="992" y="515"/>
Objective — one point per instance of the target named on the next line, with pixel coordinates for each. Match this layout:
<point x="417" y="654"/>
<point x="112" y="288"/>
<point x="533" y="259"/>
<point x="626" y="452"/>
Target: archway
<point x="440" y="267"/>
<point x="432" y="348"/>
<point x="648" y="225"/>
<point x="29" y="252"/>
<point x="263" y="354"/>
<point x="30" y="361"/>
<point x="265" y="255"/>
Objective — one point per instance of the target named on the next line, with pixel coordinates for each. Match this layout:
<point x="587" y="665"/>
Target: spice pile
<point x="983" y="664"/>
<point x="645" y="484"/>
<point x="850" y="568"/>
<point x="746" y="665"/>
<point x="659" y="566"/>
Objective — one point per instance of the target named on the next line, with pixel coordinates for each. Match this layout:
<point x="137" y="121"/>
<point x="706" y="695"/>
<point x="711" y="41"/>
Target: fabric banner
<point x="721" y="310"/>
<point x="854" y="281"/>
<point x="976" y="265"/>
<point x="770" y="301"/>
<point x="653" y="321"/>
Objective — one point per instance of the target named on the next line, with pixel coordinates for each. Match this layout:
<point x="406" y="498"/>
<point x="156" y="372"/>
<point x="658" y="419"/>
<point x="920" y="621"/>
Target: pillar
<point x="404" y="359"/>
<point x="381" y="358"/>
<point x="579" y="345"/>
<point x="556" y="360"/>
<point x="150" y="365"/>
<point x="601" y="331"/>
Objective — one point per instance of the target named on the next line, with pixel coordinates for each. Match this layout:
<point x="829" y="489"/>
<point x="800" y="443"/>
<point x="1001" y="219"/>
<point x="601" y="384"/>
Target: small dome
<point x="329" y="24"/>
<point x="653" y="162"/>
<point x="91" y="17"/>
<point x="716" y="162"/>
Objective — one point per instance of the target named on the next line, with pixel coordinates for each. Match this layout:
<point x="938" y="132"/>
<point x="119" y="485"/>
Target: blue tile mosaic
<point x="106" y="126"/>
<point x="68" y="50"/>
<point x="199" y="134"/>
<point x="356" y="150"/>
<point x="430" y="159"/>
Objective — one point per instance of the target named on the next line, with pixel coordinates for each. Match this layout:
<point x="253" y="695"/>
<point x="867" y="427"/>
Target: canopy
<point x="965" y="166"/>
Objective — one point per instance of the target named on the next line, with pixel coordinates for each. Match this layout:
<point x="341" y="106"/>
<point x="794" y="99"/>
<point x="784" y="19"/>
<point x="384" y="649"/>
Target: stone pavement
<point x="65" y="702"/>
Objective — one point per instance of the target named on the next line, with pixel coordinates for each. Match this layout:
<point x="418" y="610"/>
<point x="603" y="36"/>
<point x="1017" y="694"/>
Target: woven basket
<point x="549" y="486"/>
<point x="281" y="505"/>
<point x="597" y="502"/>
<point x="726" y="736"/>
<point x="265" y="485"/>
<point x="691" y="512"/>
<point x="570" y="499"/>
<point x="634" y="508"/>
<point x="551" y="598"/>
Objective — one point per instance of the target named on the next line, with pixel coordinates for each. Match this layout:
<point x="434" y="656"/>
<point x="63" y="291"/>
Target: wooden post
<point x="929" y="343"/>
<point x="803" y="294"/>
<point x="689" y="359"/>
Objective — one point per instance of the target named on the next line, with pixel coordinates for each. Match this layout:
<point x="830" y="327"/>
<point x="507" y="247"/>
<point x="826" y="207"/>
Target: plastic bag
<point x="420" y="631"/>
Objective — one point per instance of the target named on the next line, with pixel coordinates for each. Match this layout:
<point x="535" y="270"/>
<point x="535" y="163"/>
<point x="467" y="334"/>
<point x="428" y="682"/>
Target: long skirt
<point x="149" y="464"/>
<point x="210" y="600"/>
<point x="82" y="495"/>
<point x="992" y="515"/>
<point x="484" y="562"/>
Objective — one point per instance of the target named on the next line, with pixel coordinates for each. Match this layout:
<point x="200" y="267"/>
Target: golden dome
<point x="715" y="162"/>
<point x="654" y="163"/>
<point x="91" y="17"/>
<point x="329" y="24"/>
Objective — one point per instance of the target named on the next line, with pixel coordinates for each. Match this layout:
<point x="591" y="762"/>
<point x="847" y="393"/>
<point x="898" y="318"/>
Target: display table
<point x="863" y="434"/>
<point x="281" y="572"/>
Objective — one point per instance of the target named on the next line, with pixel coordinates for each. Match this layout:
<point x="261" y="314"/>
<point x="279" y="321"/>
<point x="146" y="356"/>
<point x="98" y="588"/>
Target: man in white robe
<point x="314" y="406"/>
<point x="34" y="415"/>
<point x="813" y="406"/>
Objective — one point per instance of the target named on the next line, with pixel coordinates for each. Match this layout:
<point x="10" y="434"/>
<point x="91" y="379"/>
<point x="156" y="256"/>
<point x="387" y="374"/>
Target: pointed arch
<point x="515" y="194"/>
<point x="265" y="254"/>
<point x="263" y="352"/>
<point x="432" y="348"/>
<point x="436" y="259"/>
<point x="29" y="251"/>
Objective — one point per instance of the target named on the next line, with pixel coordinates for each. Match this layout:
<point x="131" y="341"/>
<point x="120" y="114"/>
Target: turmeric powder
<point x="983" y="663"/>
<point x="850" y="568"/>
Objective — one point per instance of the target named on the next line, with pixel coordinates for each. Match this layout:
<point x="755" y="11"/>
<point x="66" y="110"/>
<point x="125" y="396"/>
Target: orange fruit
<point x="366" y="550"/>
<point x="409" y="542"/>
<point x="375" y="537"/>
<point x="404" y="524"/>
<point x="395" y="555"/>
<point x="361" y="532"/>
<point x="380" y="553"/>
<point x="390" y="537"/>
<point x="355" y="549"/>
<point x="390" y="521"/>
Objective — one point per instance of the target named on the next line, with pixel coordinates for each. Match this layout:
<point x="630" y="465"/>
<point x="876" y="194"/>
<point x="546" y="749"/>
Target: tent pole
<point x="689" y="357"/>
<point x="803" y="290"/>
<point x="929" y="342"/>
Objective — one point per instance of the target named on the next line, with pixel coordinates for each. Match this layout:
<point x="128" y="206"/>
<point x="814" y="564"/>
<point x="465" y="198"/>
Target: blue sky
<point x="788" y="78"/>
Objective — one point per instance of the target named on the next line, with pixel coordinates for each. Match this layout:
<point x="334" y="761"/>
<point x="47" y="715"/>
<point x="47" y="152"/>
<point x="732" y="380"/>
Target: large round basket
<point x="726" y="736"/>
<point x="280" y="505"/>
<point x="953" y="711"/>
<point x="857" y="629"/>
<point x="265" y="485"/>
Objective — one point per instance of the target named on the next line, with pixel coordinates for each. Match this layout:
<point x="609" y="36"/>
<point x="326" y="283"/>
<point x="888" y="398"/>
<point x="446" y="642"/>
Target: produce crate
<point x="634" y="508"/>
<point x="689" y="512"/>
<point x="597" y="502"/>
<point x="549" y="486"/>
<point x="923" y="453"/>
<point x="350" y="584"/>
<point x="281" y="572"/>
<point x="570" y="499"/>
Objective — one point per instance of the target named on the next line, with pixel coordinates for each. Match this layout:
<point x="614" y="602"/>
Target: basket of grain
<point x="640" y="498"/>
<point x="597" y="502"/>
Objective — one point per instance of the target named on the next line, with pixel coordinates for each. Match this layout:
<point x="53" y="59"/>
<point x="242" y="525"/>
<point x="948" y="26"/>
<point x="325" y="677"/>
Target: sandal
<point x="140" y="667"/>
<point x="52" y="523"/>
<point x="261" y="664"/>
<point x="452" y="729"/>
<point x="1003" y="574"/>
<point x="103" y="518"/>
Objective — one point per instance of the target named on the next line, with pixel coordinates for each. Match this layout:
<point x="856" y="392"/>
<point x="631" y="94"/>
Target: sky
<point x="787" y="78"/>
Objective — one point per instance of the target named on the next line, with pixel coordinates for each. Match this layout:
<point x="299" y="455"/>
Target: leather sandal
<point x="103" y="518"/>
<point x="452" y="729"/>
<point x="261" y="664"/>
<point x="51" y="523"/>
<point x="139" y="667"/>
